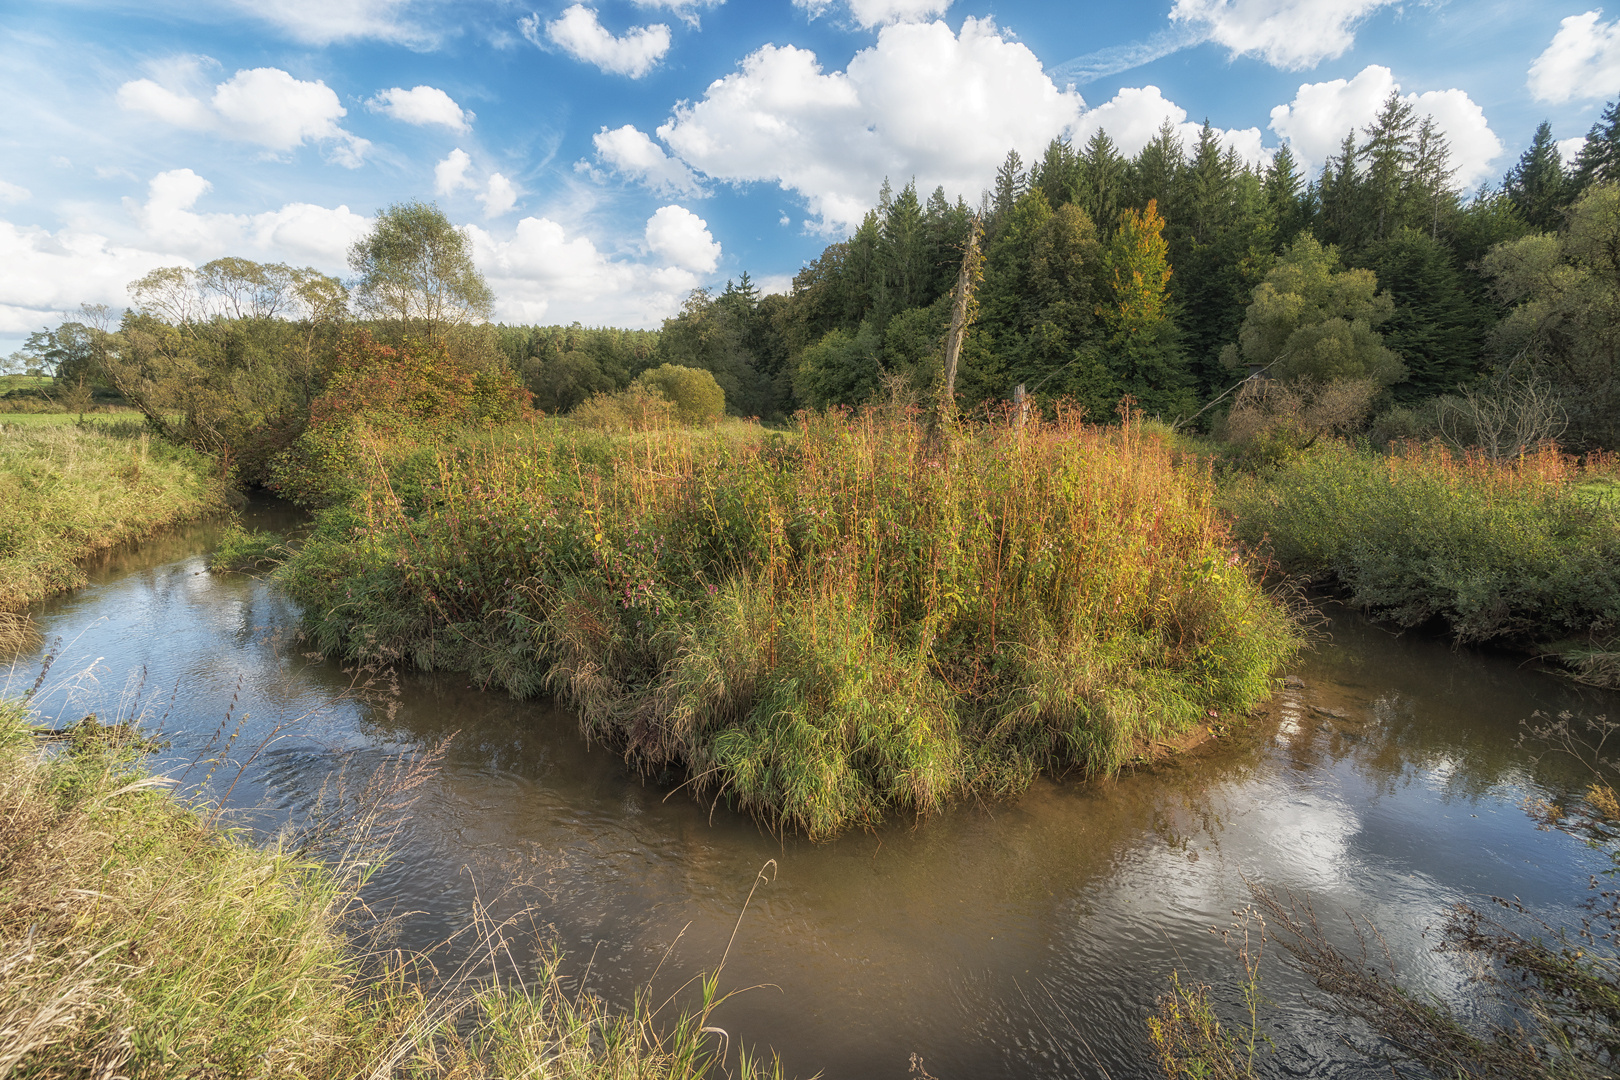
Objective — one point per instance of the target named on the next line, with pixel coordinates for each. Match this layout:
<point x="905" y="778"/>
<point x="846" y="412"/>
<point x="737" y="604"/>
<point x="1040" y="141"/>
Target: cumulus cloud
<point x="1290" y="34"/>
<point x="921" y="102"/>
<point x="581" y="34"/>
<point x="870" y="13"/>
<point x="1570" y="149"/>
<point x="422" y="105"/>
<point x="1134" y="115"/>
<point x="1583" y="60"/>
<point x="169" y="223"/>
<point x="682" y="239"/>
<point x="43" y="273"/>
<point x="544" y="273"/>
<point x="633" y="154"/>
<point x="498" y="196"/>
<point x="450" y="174"/>
<point x="1321" y="114"/>
<point x="265" y="106"/>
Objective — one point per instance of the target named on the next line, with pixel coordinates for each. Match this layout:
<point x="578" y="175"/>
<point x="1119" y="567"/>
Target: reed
<point x="820" y="627"/>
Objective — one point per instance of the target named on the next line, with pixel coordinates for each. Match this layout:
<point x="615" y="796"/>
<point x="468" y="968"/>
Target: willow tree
<point x="416" y="268"/>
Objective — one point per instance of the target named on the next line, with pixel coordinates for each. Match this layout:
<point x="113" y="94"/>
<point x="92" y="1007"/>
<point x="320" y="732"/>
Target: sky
<point x="606" y="157"/>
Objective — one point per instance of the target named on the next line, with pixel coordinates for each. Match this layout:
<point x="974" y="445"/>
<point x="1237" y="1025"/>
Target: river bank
<point x="70" y="492"/>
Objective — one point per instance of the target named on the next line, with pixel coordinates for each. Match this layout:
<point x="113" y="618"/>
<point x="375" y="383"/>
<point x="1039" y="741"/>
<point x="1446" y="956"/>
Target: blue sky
<point x="608" y="157"/>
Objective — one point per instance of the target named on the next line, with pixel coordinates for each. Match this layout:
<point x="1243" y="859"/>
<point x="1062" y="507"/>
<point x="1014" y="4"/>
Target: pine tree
<point x="1599" y="160"/>
<point x="1103" y="174"/>
<point x="1284" y="197"/>
<point x="1057" y="174"/>
<point x="1536" y="185"/>
<point x="1431" y="196"/>
<point x="1011" y="183"/>
<point x="1388" y="153"/>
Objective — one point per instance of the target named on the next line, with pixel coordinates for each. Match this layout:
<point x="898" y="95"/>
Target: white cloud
<point x="870" y="13"/>
<point x="1133" y="116"/>
<point x="266" y="106"/>
<point x="1290" y="34"/>
<point x="542" y="274"/>
<point x="921" y="102"/>
<point x="422" y="105"/>
<point x="1321" y="114"/>
<point x="498" y="197"/>
<point x="450" y="174"/>
<point x="683" y="239"/>
<point x="1583" y="60"/>
<point x="322" y="22"/>
<point x="581" y="34"/>
<point x="1570" y="149"/>
<point x="14" y="193"/>
<point x="170" y="223"/>
<point x="634" y="154"/>
<point x="43" y="274"/>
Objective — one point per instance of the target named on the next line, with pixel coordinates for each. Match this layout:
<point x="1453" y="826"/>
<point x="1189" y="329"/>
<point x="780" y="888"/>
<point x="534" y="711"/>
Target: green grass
<point x="105" y="416"/>
<point x="69" y="492"/>
<point x="8" y="383"/>
<point x="1523" y="552"/>
<point x="137" y="939"/>
<point x="861" y="618"/>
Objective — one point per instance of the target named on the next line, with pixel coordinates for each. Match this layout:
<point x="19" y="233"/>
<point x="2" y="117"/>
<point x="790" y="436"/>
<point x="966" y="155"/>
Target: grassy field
<point x="1524" y="552"/>
<point x="859" y="618"/>
<point x="105" y="415"/>
<point x="137" y="939"/>
<point x="8" y="383"/>
<point x="69" y="492"/>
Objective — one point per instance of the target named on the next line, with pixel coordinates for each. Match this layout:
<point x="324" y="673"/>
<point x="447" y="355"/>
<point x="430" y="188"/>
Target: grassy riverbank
<point x="819" y="628"/>
<point x="1523" y="552"/>
<point x="69" y="492"/>
<point x="138" y="940"/>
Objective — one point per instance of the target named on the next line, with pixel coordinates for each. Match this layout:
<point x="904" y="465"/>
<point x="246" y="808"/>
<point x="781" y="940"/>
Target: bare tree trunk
<point x="962" y="312"/>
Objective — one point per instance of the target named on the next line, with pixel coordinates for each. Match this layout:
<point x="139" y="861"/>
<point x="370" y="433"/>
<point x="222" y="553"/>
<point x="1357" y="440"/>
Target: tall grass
<point x="1526" y="550"/>
<point x="69" y="492"/>
<point x="137" y="939"/>
<point x="859" y="617"/>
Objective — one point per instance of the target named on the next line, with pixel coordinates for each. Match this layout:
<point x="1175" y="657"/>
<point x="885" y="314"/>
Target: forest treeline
<point x="1167" y="276"/>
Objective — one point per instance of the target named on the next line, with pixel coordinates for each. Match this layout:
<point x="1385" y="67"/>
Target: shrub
<point x="694" y="395"/>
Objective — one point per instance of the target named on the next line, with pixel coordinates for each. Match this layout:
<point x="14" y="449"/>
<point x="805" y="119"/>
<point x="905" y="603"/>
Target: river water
<point x="1027" y="938"/>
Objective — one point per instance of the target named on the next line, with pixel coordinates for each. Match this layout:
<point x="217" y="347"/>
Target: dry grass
<point x="136" y="939"/>
<point x="866" y="616"/>
<point x="67" y="493"/>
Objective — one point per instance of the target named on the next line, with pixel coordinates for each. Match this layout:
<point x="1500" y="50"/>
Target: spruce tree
<point x="1103" y="175"/>
<point x="1284" y="197"/>
<point x="1536" y="185"/>
<point x="1388" y="154"/>
<point x="1599" y="160"/>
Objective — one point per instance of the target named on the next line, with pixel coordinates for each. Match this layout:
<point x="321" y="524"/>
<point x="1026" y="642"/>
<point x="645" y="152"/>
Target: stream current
<point x="1017" y="939"/>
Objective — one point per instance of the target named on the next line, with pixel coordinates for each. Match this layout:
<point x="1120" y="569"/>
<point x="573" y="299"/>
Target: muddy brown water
<point x="1025" y="938"/>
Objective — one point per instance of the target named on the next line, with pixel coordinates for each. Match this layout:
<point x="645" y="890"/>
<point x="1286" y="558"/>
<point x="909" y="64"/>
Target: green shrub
<point x="697" y="399"/>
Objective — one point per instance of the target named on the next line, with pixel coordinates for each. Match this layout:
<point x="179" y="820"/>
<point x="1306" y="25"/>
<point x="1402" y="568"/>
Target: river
<point x="1027" y="938"/>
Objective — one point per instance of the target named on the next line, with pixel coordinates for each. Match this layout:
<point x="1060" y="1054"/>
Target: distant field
<point x="9" y="383"/>
<point x="33" y="420"/>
